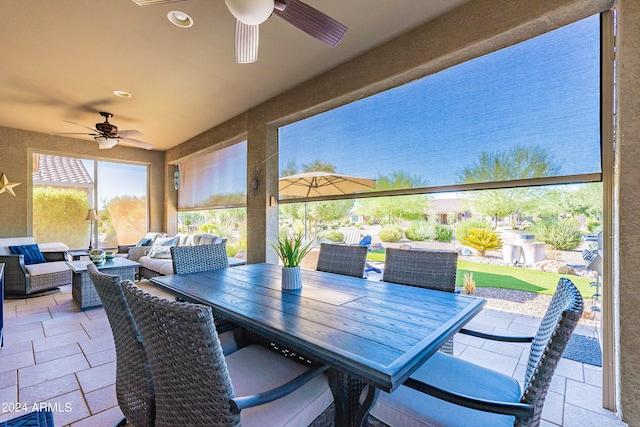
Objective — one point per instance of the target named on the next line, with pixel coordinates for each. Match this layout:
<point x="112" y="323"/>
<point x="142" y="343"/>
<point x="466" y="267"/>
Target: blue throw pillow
<point x="32" y="254"/>
<point x="143" y="242"/>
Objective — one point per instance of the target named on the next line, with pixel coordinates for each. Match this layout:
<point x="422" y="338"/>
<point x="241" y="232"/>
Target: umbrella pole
<point x="305" y="220"/>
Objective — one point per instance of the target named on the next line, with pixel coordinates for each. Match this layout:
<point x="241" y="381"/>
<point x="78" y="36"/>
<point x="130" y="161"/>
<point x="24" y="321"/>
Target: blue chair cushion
<point x="32" y="254"/>
<point x="409" y="408"/>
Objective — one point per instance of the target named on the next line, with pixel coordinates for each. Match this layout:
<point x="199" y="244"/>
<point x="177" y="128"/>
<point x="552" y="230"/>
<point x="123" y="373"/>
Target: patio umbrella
<point x="313" y="184"/>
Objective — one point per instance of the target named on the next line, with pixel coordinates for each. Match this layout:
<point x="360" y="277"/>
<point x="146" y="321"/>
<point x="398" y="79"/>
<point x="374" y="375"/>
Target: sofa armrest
<point x="13" y="263"/>
<point x="123" y="249"/>
<point x="137" y="252"/>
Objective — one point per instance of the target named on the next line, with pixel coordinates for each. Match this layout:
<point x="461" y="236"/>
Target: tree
<point x="519" y="162"/>
<point x="128" y="217"/>
<point x="59" y="216"/>
<point x="390" y="210"/>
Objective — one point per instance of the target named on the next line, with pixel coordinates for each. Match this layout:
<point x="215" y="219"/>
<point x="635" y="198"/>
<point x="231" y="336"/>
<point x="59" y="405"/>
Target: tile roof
<point x="61" y="170"/>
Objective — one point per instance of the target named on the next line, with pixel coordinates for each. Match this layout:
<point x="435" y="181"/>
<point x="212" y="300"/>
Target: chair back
<point x="134" y="384"/>
<point x="186" y="360"/>
<point x="426" y="269"/>
<point x="547" y="347"/>
<point x="341" y="259"/>
<point x="352" y="237"/>
<point x="194" y="259"/>
<point x="366" y="241"/>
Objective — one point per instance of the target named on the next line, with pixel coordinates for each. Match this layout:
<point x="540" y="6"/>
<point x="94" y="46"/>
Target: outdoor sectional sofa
<point x="22" y="278"/>
<point x="158" y="263"/>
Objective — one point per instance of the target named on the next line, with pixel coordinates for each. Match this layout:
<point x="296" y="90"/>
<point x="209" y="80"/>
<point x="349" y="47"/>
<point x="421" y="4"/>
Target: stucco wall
<point x="628" y="222"/>
<point x="16" y="146"/>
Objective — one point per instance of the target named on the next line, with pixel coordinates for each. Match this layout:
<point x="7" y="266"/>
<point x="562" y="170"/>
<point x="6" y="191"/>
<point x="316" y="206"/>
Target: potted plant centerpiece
<point x="291" y="249"/>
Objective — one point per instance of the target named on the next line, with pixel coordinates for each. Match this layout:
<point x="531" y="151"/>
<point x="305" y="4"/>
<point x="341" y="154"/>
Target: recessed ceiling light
<point x="122" y="94"/>
<point x="180" y="19"/>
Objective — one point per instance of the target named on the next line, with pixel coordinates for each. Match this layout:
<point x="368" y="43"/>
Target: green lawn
<point x="498" y="276"/>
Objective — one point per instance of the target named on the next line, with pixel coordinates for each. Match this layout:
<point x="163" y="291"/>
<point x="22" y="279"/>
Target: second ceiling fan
<point x="250" y="14"/>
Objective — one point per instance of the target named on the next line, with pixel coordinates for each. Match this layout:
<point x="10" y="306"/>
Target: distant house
<point x="443" y="208"/>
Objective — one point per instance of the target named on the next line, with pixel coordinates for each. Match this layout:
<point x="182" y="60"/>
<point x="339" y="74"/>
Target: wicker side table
<point x="82" y="288"/>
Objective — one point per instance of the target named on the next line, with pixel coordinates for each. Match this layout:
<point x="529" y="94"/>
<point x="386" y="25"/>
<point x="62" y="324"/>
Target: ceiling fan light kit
<point x="107" y="135"/>
<point x="251" y="12"/>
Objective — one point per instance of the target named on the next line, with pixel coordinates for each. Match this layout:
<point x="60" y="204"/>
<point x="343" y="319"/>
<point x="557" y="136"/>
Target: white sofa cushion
<point x="160" y="265"/>
<point x="46" y="268"/>
<point x="14" y="241"/>
<point x="162" y="247"/>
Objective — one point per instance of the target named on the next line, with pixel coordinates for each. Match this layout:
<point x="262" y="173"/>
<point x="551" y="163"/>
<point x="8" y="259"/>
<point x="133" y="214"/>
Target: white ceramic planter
<point x="291" y="278"/>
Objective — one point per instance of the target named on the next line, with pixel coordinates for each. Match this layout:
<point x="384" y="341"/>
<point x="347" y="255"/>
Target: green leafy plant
<point x="442" y="233"/>
<point x="482" y="240"/>
<point x="559" y="235"/>
<point x="291" y="249"/>
<point x="418" y="231"/>
<point x="332" y="236"/>
<point x="390" y="233"/>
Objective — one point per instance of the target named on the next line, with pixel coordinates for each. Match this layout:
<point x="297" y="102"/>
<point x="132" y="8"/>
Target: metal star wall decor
<point x="6" y="186"/>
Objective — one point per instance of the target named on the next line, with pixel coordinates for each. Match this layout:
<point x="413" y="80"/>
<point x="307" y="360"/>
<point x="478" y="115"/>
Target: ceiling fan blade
<point x="311" y="21"/>
<point x="74" y="133"/>
<point x="130" y="133"/>
<point x="246" y="43"/>
<point x="86" y="127"/>
<point x="154" y="2"/>
<point x="130" y="142"/>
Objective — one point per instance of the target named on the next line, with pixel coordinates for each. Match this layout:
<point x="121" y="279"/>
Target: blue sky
<point x="118" y="179"/>
<point x="544" y="91"/>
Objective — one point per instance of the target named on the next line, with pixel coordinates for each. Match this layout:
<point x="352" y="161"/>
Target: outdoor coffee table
<point x="82" y="287"/>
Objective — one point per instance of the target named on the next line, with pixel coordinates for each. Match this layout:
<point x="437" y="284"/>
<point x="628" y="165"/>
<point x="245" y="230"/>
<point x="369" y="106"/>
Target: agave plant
<point x="482" y="240"/>
<point x="291" y="249"/>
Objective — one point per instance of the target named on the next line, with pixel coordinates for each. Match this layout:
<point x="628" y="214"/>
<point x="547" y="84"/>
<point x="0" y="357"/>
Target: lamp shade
<point x="251" y="12"/>
<point x="105" y="143"/>
<point x="92" y="215"/>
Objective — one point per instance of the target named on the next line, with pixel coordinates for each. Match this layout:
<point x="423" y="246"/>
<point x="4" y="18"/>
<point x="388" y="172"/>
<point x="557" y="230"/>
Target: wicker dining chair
<point x="341" y="259"/>
<point x="197" y="385"/>
<point x="134" y="385"/>
<point x="450" y="391"/>
<point x="429" y="269"/>
<point x="194" y="259"/>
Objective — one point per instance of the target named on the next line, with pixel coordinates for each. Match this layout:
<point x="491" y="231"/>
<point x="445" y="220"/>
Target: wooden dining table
<point x="375" y="332"/>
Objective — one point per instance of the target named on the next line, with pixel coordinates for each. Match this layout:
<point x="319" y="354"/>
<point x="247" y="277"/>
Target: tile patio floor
<point x="53" y="353"/>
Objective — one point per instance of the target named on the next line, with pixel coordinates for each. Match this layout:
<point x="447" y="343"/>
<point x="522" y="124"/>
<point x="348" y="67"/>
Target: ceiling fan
<point x="107" y="134"/>
<point x="250" y="14"/>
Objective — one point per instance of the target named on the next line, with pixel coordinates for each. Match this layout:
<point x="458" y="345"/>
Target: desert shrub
<point x="418" y="231"/>
<point x="390" y="234"/>
<point x="331" y="236"/>
<point x="442" y="233"/>
<point x="59" y="216"/>
<point x="482" y="240"/>
<point x="463" y="227"/>
<point x="559" y="235"/>
<point x="469" y="283"/>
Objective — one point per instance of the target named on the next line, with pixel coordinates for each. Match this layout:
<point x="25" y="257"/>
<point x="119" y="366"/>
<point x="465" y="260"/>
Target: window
<point x="65" y="188"/>
<point x="214" y="180"/>
<point x="532" y="110"/>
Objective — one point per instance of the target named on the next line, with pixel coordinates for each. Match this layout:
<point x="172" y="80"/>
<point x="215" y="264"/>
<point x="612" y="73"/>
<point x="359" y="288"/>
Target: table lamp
<point x="92" y="216"/>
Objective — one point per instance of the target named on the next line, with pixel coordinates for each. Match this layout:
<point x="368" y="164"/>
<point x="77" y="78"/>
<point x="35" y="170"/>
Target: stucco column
<point x="627" y="175"/>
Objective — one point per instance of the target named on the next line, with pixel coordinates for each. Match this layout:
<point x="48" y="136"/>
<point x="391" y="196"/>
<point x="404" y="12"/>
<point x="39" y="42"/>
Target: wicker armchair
<point x="453" y="392"/>
<point x="194" y="259"/>
<point x="341" y="259"/>
<point x="134" y="386"/>
<point x="186" y="361"/>
<point x="426" y="269"/>
<point x="22" y="280"/>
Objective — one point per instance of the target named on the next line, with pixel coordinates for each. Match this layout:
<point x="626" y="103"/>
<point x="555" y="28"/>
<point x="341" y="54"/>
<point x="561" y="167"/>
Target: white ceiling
<point x="61" y="60"/>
